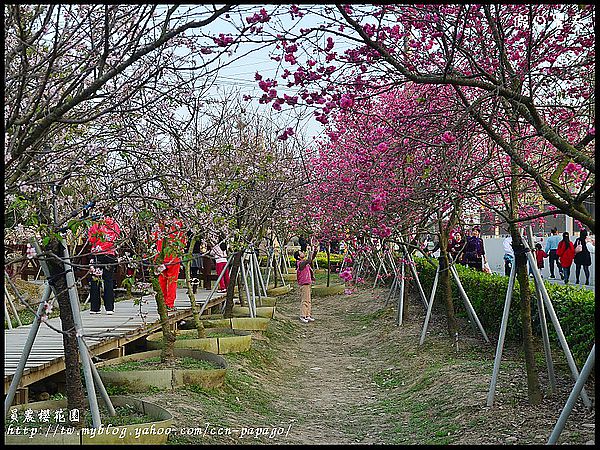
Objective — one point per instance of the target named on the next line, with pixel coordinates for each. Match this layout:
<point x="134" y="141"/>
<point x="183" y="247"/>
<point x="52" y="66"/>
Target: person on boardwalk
<point x="551" y="246"/>
<point x="219" y="252"/>
<point x="474" y="255"/>
<point x="509" y="255"/>
<point x="102" y="236"/>
<point x="566" y="254"/>
<point x="583" y="257"/>
<point x="196" y="262"/>
<point x="170" y="237"/>
<point x="456" y="246"/>
<point x="305" y="277"/>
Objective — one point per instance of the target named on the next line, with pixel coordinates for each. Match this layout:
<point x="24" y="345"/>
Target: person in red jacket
<point x="170" y="237"/>
<point x="566" y="254"/>
<point x="102" y="236"/>
<point x="539" y="258"/>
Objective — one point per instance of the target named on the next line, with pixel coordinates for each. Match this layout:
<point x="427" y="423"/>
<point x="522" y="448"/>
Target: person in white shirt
<point x="509" y="255"/>
<point x="551" y="246"/>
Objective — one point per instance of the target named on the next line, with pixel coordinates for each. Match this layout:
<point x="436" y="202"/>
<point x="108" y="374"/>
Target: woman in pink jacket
<point x="305" y="277"/>
<point x="102" y="236"/>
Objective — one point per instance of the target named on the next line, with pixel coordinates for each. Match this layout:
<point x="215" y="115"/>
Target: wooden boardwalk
<point x="102" y="332"/>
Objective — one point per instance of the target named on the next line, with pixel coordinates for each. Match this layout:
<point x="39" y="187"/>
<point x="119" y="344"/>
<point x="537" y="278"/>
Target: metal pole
<point x="260" y="278"/>
<point x="461" y="290"/>
<point x="256" y="277"/>
<point x="101" y="388"/>
<point x="269" y="263"/>
<point x="12" y="305"/>
<point x="392" y="288"/>
<point x="467" y="303"/>
<point x="577" y="389"/>
<point x="83" y="352"/>
<point x="245" y="282"/>
<point x="543" y="324"/>
<point x="558" y="329"/>
<point x="255" y="273"/>
<point x="413" y="269"/>
<point x="545" y="338"/>
<point x="252" y="301"/>
<point x="401" y="298"/>
<point x="503" y="326"/>
<point x="378" y="271"/>
<point x="26" y="351"/>
<point x="430" y="305"/>
<point x="10" y="327"/>
<point x="283" y="283"/>
<point x="216" y="285"/>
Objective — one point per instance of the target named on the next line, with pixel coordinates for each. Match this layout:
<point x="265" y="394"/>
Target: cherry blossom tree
<point x="79" y="79"/>
<point x="538" y="59"/>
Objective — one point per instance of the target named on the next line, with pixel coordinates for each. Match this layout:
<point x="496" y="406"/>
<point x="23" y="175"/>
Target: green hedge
<point x="574" y="306"/>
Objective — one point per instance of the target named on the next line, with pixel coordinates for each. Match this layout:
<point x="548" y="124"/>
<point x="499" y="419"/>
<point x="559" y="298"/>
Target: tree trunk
<point x="407" y="288"/>
<point x="240" y="285"/>
<point x="275" y="277"/>
<point x="533" y="383"/>
<point x="73" y="381"/>
<point x="190" y="291"/>
<point x="168" y="335"/>
<point x="446" y="290"/>
<point x="446" y="284"/>
<point x="235" y="267"/>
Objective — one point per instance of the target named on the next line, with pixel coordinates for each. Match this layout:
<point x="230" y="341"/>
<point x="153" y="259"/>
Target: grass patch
<point x="209" y="334"/>
<point x="281" y="330"/>
<point x="240" y="392"/>
<point x="155" y="363"/>
<point x="369" y="318"/>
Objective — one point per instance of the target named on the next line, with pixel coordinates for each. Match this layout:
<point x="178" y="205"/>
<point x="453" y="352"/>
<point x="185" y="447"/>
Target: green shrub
<point x="574" y="306"/>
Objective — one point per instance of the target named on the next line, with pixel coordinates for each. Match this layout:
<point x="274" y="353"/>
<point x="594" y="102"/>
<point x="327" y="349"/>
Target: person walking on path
<point x="539" y="258"/>
<point x="102" y="236"/>
<point x="170" y="237"/>
<point x="219" y="252"/>
<point x="566" y="254"/>
<point x="551" y="246"/>
<point x="582" y="257"/>
<point x="509" y="255"/>
<point x="305" y="277"/>
<point x="474" y="251"/>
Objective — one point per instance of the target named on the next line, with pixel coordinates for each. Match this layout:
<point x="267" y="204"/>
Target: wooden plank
<point x="102" y="332"/>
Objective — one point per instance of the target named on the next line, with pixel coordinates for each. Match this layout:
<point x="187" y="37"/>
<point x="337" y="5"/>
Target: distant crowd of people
<point x="561" y="254"/>
<point x="169" y="240"/>
<point x="469" y="251"/>
<point x="559" y="250"/>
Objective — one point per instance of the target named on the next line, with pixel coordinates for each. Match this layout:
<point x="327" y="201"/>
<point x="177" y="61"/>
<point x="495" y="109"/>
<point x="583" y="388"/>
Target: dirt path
<point x="353" y="376"/>
<point x="333" y="375"/>
<point x="356" y="377"/>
